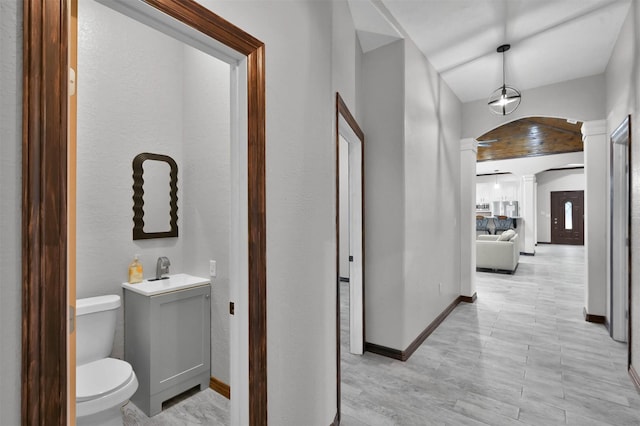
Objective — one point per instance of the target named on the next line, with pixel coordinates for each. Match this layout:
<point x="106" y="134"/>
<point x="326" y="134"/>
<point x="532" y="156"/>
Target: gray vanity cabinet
<point x="167" y="342"/>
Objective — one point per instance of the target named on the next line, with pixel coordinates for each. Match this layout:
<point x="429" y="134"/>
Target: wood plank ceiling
<point x="530" y="137"/>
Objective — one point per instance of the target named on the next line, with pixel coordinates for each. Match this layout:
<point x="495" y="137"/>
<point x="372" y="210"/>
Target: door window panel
<point x="568" y="215"/>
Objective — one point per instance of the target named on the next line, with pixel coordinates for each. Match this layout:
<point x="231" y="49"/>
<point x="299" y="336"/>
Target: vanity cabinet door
<point x="180" y="336"/>
<point x="168" y="343"/>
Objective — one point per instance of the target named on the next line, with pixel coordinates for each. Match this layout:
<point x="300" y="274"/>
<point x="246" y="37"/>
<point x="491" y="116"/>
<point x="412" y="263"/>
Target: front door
<point x="567" y="217"/>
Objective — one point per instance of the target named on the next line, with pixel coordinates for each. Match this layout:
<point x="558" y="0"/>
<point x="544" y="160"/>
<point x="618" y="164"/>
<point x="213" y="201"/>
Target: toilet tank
<point x="95" y="327"/>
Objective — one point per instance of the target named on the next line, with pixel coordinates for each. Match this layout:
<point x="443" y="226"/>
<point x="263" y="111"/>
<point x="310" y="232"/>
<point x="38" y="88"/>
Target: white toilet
<point x="103" y="384"/>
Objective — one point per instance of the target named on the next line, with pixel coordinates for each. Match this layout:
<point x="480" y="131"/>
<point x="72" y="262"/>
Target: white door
<point x="354" y="254"/>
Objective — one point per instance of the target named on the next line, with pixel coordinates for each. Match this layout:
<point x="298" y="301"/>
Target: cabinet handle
<point x="206" y="296"/>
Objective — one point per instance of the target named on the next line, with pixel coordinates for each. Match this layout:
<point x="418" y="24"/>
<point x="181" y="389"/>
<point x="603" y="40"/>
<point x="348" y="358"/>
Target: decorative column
<point x="529" y="214"/>
<point x="468" y="159"/>
<point x="596" y="165"/>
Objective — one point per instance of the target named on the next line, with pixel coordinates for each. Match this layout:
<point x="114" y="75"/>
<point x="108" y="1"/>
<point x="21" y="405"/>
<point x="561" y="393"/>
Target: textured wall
<point x="432" y="194"/>
<point x="623" y="97"/>
<point x="412" y="120"/>
<point x="557" y="180"/>
<point x="383" y="84"/>
<point x="300" y="152"/>
<point x="141" y="91"/>
<point x="580" y="99"/>
<point x="10" y="193"/>
<point x="129" y="101"/>
<point x="206" y="189"/>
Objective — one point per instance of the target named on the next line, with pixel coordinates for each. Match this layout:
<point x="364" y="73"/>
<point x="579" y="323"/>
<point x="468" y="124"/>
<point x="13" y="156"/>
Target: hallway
<point x="522" y="354"/>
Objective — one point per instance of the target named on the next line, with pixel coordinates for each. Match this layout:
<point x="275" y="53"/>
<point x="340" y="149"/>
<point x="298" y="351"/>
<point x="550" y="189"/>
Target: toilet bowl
<point x="103" y="384"/>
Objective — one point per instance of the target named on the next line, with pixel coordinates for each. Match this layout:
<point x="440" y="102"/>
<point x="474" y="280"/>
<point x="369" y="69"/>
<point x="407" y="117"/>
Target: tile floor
<point x="521" y="355"/>
<point x="189" y="409"/>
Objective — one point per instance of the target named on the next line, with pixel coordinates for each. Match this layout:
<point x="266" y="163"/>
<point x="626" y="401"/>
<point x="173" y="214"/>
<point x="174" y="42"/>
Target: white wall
<point x="345" y="56"/>
<point x="412" y="197"/>
<point x="551" y="181"/>
<point x="623" y="97"/>
<point x="10" y="208"/>
<point x="383" y="91"/>
<point x="206" y="189"/>
<point x="432" y="125"/>
<point x="300" y="174"/>
<point x="141" y="91"/>
<point x="580" y="99"/>
<point x="121" y="113"/>
<point x="346" y="64"/>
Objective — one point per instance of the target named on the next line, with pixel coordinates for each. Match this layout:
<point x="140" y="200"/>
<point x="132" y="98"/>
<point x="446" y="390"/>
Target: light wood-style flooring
<point x="521" y="355"/>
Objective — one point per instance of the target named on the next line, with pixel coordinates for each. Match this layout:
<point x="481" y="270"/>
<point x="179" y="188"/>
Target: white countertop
<point x="175" y="282"/>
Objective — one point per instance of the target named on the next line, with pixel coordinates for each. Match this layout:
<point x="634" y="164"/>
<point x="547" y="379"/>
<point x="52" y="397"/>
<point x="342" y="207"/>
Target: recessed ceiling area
<point x="530" y="137"/>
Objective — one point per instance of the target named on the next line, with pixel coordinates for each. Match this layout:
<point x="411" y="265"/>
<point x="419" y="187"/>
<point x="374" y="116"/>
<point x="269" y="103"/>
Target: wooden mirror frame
<point x="138" y="197"/>
<point x="44" y="202"/>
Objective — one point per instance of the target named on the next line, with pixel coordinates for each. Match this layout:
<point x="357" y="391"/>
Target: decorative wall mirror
<point x="155" y="196"/>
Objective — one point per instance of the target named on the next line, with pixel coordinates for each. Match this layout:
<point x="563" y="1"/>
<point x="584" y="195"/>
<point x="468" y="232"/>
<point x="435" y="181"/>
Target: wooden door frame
<point x="343" y="111"/>
<point x="44" y="202"/>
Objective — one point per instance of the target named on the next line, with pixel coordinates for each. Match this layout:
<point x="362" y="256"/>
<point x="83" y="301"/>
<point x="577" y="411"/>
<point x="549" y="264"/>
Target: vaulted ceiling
<point x="551" y="41"/>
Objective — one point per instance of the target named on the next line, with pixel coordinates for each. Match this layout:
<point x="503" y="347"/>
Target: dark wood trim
<point x="203" y="20"/>
<point x="469" y="299"/>
<point x="343" y="111"/>
<point x="634" y="377"/>
<point x="221" y="387"/>
<point x="385" y="351"/>
<point x="44" y="212"/>
<point x="630" y="258"/>
<point x="346" y="113"/>
<point x="565" y="168"/>
<point x="406" y="354"/>
<point x="541" y="242"/>
<point x="596" y="319"/>
<point x="430" y="329"/>
<point x="336" y="421"/>
<point x="337" y="224"/>
<point x="44" y="245"/>
<point x="257" y="239"/>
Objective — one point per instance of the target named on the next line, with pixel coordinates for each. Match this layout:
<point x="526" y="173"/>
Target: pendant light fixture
<point x="505" y="99"/>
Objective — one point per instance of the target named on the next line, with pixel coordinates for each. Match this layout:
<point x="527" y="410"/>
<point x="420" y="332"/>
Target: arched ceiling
<point x="530" y="137"/>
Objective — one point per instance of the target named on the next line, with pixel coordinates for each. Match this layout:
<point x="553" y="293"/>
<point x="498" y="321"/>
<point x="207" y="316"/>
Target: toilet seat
<point x="100" y="377"/>
<point x="102" y="384"/>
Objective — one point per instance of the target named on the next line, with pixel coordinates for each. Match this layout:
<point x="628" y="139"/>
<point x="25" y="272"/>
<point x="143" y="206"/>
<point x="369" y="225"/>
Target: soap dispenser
<point x="135" y="270"/>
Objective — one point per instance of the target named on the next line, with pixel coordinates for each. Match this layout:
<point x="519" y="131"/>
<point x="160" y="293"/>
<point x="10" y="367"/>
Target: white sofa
<point x="498" y="252"/>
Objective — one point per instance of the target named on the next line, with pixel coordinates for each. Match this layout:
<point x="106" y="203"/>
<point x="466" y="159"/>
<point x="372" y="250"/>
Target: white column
<point x="596" y="164"/>
<point x="468" y="158"/>
<point x="529" y="216"/>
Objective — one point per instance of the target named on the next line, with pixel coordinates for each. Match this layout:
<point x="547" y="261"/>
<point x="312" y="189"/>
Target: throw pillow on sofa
<point x="507" y="235"/>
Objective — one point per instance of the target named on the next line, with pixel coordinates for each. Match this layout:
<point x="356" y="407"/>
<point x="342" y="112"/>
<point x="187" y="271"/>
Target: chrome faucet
<point x="162" y="267"/>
